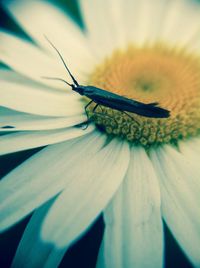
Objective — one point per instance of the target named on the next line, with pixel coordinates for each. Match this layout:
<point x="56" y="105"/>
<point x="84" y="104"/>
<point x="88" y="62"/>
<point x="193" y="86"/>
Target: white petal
<point x="42" y="176"/>
<point x="191" y="155"/>
<point x="29" y="60"/>
<point x="180" y="188"/>
<point x="133" y="227"/>
<point x="61" y="30"/>
<point x="15" y="121"/>
<point x="100" y="20"/>
<point x="89" y="192"/>
<point x="194" y="43"/>
<point x="150" y="19"/>
<point x="117" y="21"/>
<point x="32" y="139"/>
<point x="181" y="21"/>
<point x="36" y="100"/>
<point x="143" y="19"/>
<point x="31" y="243"/>
<point x="191" y="150"/>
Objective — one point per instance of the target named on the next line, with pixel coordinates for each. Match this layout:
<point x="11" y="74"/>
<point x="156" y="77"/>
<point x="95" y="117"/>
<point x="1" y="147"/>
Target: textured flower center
<point x="147" y="74"/>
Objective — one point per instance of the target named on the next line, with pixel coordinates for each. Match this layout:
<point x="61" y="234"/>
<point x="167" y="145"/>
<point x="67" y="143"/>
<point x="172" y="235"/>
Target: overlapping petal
<point x="133" y="227"/>
<point x="101" y="32"/>
<point x="90" y="188"/>
<point x="180" y="187"/>
<point x="60" y="227"/>
<point x="181" y="25"/>
<point x="61" y="30"/>
<point x="158" y="20"/>
<point x="32" y="251"/>
<point x="11" y="120"/>
<point x="43" y="176"/>
<point x="15" y="142"/>
<point x="36" y="100"/>
<point x="17" y="53"/>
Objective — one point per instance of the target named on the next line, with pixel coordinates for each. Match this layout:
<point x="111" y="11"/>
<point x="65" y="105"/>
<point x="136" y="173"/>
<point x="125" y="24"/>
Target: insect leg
<point x="130" y="117"/>
<point x="89" y="103"/>
<point x="101" y="108"/>
<point x="127" y="114"/>
<point x="95" y="107"/>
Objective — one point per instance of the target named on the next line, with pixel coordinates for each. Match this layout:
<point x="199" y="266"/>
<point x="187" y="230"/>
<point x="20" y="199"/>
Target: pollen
<point x="157" y="73"/>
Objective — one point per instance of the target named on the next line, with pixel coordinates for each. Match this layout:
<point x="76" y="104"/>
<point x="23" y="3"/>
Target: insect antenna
<point x="61" y="57"/>
<point x="57" y="78"/>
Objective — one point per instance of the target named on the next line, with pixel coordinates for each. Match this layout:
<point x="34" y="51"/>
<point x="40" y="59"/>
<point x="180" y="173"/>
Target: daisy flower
<point x="138" y="171"/>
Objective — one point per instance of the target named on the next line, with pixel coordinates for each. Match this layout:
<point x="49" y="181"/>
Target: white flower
<point x="81" y="172"/>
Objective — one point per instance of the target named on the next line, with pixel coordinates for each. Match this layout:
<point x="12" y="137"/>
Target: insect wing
<point x="121" y="103"/>
<point x="105" y="97"/>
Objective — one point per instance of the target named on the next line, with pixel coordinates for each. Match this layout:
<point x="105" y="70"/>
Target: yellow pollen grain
<point x="158" y="73"/>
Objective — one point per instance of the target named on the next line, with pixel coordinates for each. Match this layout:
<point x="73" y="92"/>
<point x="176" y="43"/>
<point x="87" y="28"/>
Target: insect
<point x="105" y="98"/>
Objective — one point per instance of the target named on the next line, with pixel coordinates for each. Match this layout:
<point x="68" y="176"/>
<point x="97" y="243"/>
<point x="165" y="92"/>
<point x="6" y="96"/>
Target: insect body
<point x="108" y="99"/>
<point x="120" y="103"/>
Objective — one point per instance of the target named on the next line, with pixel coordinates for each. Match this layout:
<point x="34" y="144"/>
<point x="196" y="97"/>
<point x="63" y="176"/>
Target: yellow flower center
<point x="149" y="74"/>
